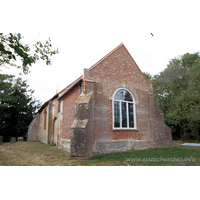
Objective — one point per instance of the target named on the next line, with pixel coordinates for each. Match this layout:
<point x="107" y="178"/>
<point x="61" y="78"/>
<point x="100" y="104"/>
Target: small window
<point x="123" y="110"/>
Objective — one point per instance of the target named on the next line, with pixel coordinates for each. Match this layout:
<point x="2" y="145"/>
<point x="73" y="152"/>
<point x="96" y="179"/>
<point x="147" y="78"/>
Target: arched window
<point x="123" y="110"/>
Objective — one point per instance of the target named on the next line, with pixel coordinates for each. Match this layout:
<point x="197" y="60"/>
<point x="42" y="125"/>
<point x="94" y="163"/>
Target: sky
<point x="85" y="31"/>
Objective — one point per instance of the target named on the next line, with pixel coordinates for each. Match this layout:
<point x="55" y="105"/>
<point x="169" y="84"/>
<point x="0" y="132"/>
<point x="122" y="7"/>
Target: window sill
<point x="124" y="129"/>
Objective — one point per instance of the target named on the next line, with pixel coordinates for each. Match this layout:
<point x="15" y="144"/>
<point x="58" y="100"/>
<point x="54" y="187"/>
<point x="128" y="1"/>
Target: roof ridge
<point x="102" y="59"/>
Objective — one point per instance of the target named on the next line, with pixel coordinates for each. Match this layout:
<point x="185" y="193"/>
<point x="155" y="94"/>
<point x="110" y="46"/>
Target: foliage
<point x="148" y="76"/>
<point x="177" y="93"/>
<point x="12" y="48"/>
<point x="17" y="106"/>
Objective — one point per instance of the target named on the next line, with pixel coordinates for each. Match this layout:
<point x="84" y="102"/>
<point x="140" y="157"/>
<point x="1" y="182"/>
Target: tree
<point x="17" y="106"/>
<point x="177" y="93"/>
<point x="12" y="49"/>
<point x="148" y="76"/>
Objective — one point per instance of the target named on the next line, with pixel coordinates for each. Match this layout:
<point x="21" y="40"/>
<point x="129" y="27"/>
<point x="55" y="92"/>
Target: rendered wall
<point x="54" y="124"/>
<point x="38" y="129"/>
<point x="33" y="129"/>
<point x="43" y="131"/>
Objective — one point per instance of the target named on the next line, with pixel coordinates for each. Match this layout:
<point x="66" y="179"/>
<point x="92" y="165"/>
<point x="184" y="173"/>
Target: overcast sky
<point x="86" y="30"/>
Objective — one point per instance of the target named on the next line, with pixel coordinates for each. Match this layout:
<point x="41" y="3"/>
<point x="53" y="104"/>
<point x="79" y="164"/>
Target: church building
<point x="109" y="109"/>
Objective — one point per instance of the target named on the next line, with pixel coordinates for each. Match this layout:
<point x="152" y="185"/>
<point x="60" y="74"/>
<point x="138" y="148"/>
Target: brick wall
<point x="33" y="129"/>
<point x="119" y="70"/>
<point x="68" y="112"/>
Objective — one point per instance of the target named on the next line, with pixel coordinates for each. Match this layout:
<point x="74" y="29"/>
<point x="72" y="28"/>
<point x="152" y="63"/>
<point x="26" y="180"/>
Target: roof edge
<point x="137" y="65"/>
<point x="101" y="60"/>
<point x="72" y="86"/>
<point x="46" y="103"/>
<point x="93" y="66"/>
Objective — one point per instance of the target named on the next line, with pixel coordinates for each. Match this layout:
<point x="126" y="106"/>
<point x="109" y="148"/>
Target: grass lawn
<point x="39" y="154"/>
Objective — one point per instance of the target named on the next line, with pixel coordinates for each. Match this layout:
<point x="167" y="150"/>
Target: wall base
<point x="115" y="146"/>
<point x="65" y="145"/>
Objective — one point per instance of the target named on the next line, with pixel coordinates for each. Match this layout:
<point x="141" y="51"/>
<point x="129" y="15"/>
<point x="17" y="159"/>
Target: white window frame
<point x="134" y="112"/>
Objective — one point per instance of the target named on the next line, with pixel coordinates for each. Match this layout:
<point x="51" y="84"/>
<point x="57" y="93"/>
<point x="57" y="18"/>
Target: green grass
<point x="177" y="156"/>
<point x="38" y="154"/>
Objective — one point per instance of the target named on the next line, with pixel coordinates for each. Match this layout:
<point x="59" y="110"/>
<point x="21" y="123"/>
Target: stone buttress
<point x="81" y="144"/>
